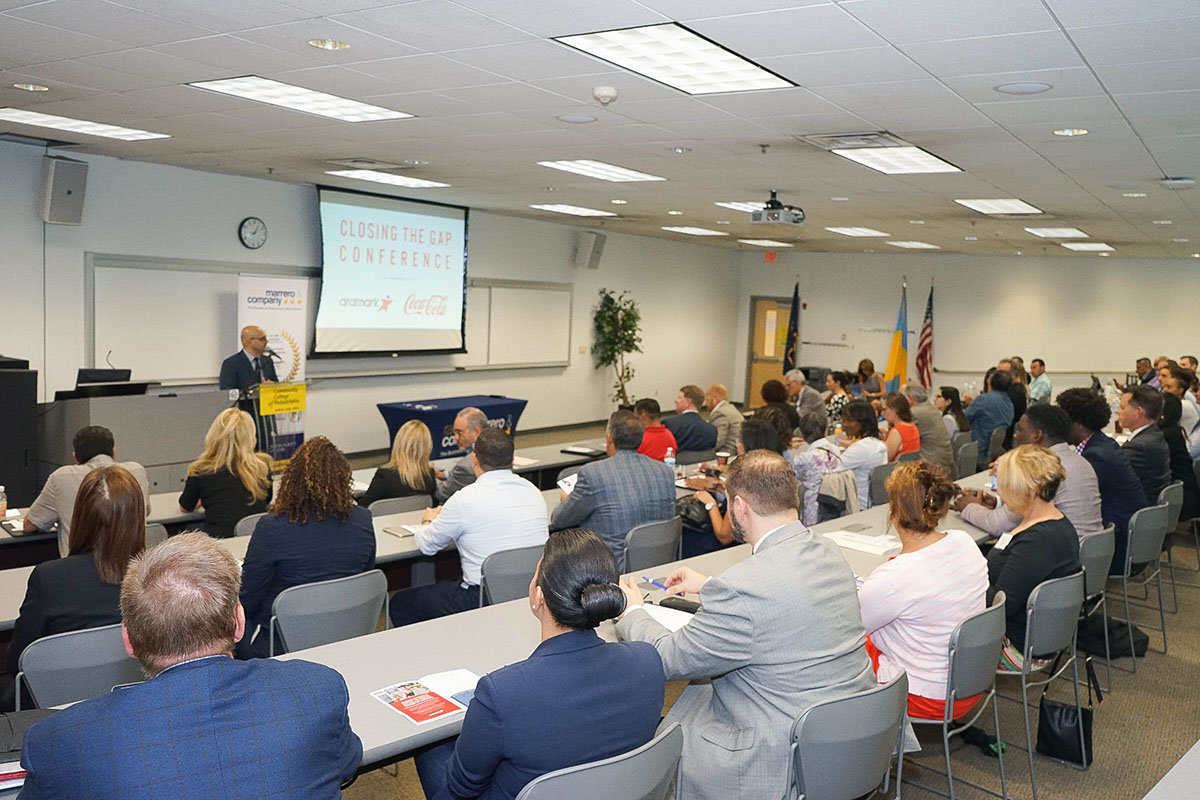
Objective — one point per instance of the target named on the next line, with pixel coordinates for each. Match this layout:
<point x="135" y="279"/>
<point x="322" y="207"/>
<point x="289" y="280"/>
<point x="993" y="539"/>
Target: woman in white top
<point x="912" y="603"/>
<point x="863" y="450"/>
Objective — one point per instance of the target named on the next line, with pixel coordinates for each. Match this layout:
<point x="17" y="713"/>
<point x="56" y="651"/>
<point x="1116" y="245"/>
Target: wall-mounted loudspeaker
<point x="63" y="183"/>
<point x="589" y="249"/>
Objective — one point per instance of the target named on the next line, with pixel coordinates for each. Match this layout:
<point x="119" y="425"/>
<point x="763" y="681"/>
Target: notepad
<point x="567" y="484"/>
<point x="12" y="776"/>
<point x="432" y="697"/>
<point x="402" y="531"/>
<point x="522" y="461"/>
<point x="670" y="618"/>
<point x="864" y="543"/>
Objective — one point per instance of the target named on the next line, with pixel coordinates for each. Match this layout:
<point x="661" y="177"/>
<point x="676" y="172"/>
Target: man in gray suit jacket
<point x="775" y="634"/>
<point x="467" y="425"/>
<point x="1146" y="448"/>
<point x="935" y="439"/>
<point x="808" y="399"/>
<point x="614" y="495"/>
<point x="726" y="417"/>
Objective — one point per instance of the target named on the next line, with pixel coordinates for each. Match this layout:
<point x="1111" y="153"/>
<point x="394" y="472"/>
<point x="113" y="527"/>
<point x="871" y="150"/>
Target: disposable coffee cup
<point x="722" y="459"/>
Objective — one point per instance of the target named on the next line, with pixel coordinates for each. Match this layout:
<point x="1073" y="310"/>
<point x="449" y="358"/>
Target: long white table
<point x="1181" y="780"/>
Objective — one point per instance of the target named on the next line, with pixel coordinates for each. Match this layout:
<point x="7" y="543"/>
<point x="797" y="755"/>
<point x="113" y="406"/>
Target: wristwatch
<point x="710" y="505"/>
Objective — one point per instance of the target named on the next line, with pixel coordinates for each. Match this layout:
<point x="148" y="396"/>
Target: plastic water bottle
<point x="3" y="503"/>
<point x="669" y="459"/>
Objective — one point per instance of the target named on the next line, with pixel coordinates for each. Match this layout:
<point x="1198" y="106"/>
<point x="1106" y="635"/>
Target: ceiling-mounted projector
<point x="776" y="212"/>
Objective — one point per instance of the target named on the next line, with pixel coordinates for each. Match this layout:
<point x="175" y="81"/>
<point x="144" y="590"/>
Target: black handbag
<point x="1058" y="724"/>
<point x="693" y="513"/>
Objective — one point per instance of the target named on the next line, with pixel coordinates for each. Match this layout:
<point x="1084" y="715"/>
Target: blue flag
<point x="793" y="332"/>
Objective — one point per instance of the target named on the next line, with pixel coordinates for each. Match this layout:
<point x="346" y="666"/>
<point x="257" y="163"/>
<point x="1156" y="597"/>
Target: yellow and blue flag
<point x="897" y="364"/>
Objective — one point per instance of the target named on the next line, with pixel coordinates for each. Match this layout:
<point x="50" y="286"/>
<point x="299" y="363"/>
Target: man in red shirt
<point x="657" y="438"/>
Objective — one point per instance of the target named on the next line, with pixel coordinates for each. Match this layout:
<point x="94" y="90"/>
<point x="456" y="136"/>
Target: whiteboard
<point x="530" y="326"/>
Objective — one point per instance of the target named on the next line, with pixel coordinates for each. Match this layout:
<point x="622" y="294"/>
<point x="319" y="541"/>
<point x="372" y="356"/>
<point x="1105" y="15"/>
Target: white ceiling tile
<point x="1015" y="53"/>
<point x="632" y="88"/>
<point x="808" y="124"/>
<point x="530" y="61"/>
<point x="434" y="25"/>
<point x="12" y="57"/>
<point x="679" y="109"/>
<point x="904" y="119"/>
<point x="342" y="81"/>
<point x="163" y="68"/>
<point x="108" y="21"/>
<point x="908" y="21"/>
<point x="90" y="76"/>
<point x="428" y="73"/>
<point x="838" y="68"/>
<point x="238" y="56"/>
<point x="330" y="7"/>
<point x="812" y="29"/>
<point x="565" y="18"/>
<point x="1068" y="82"/>
<point x="1054" y="112"/>
<point x="512" y="97"/>
<point x="865" y="96"/>
<point x="1150" y="76"/>
<point x="1134" y="42"/>
<point x="771" y="102"/>
<point x="179" y="98"/>
<point x="292" y="37"/>
<point x="224" y="16"/>
<point x="424" y="104"/>
<point x="684" y="10"/>
<point x="48" y="42"/>
<point x="722" y="130"/>
<point x="1077" y="13"/>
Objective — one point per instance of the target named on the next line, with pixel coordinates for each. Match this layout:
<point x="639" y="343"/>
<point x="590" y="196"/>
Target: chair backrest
<point x="507" y="573"/>
<point x="695" y="456"/>
<point x="314" y="614"/>
<point x="398" y="505"/>
<point x="959" y="439"/>
<point x="642" y="774"/>
<point x="68" y="667"/>
<point x="1172" y="497"/>
<point x="156" y="533"/>
<point x="245" y="525"/>
<point x="966" y="460"/>
<point x="912" y="455"/>
<point x="653" y="543"/>
<point x="1147" y="529"/>
<point x="1052" y="613"/>
<point x="879" y="476"/>
<point x="1096" y="555"/>
<point x="842" y="748"/>
<point x="975" y="651"/>
<point x="996" y="443"/>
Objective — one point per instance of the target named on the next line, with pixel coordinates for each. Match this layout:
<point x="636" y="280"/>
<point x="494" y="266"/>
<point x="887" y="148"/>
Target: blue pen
<point x="653" y="582"/>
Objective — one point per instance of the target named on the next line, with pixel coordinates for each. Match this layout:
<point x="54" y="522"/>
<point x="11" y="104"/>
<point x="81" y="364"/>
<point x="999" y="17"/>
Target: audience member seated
<point x="867" y="384"/>
<point x="1078" y="496"/>
<point x="775" y="395"/>
<point x="1016" y="393"/>
<point x="778" y="419"/>
<point x="807" y="399"/>
<point x="499" y="511"/>
<point x="408" y="472"/>
<point x="313" y="532"/>
<point x="812" y="464"/>
<point x="655" y="436"/>
<point x="912" y="603"/>
<point x="836" y="383"/>
<point x="775" y="633"/>
<point x="82" y="590"/>
<point x="1145" y="448"/>
<point x="862" y="450"/>
<point x="991" y="410"/>
<point x="934" y="439"/>
<point x="91" y="447"/>
<point x="691" y="431"/>
<point x="1044" y="544"/>
<point x="1040" y="388"/>
<point x="229" y="480"/>
<point x="724" y="416"/>
<point x="203" y="725"/>
<point x="1178" y="382"/>
<point x="902" y="436"/>
<point x="1182" y="467"/>
<point x="616" y="494"/>
<point x="758" y="433"/>
<point x="948" y="401"/>
<point x="516" y="729"/>
<point x="467" y="425"/>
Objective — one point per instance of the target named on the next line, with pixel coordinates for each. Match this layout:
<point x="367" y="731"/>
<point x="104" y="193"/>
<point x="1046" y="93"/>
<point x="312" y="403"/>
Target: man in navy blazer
<point x="203" y="725"/>
<point x="691" y="431"/>
<point x="248" y="366"/>
<point x="1146" y="448"/>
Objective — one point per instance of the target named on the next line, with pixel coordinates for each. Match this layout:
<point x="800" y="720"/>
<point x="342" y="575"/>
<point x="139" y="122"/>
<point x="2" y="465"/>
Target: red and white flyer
<point x="430" y="698"/>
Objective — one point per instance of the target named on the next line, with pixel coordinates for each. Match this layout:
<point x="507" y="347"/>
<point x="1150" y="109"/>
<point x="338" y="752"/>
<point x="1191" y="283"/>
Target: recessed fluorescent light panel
<point x="694" y="231"/>
<point x="857" y="232"/>
<point x="1057" y="233"/>
<point x="578" y="211"/>
<point x="600" y="170"/>
<point x="78" y="125"/>
<point x="676" y="56"/>
<point x="764" y="243"/>
<point x="740" y="206"/>
<point x="386" y="177"/>
<point x="1000" y="206"/>
<point x="297" y="98"/>
<point x="1088" y="247"/>
<point x="915" y="245"/>
<point x="896" y="160"/>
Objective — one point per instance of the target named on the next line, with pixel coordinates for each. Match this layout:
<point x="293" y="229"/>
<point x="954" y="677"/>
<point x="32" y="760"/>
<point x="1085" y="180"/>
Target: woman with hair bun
<point x="575" y="699"/>
<point x="912" y="603"/>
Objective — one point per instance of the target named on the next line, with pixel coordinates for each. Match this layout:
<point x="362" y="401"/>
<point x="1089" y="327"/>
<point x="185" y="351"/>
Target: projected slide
<point x="393" y="275"/>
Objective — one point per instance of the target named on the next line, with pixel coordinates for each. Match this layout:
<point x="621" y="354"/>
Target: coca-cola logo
<point x="432" y="306"/>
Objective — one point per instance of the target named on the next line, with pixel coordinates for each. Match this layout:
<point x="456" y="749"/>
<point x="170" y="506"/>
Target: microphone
<point x="272" y="354"/>
<point x="108" y="360"/>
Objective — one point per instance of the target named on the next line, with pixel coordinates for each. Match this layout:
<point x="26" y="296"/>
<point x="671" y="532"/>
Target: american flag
<point x="925" y="345"/>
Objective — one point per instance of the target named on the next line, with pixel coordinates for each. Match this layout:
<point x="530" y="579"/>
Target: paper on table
<point x="567" y="484"/>
<point x="522" y="461"/>
<point x="12" y="776"/>
<point x="431" y="697"/>
<point x="670" y="618"/>
<point x="410" y="528"/>
<point x="864" y="543"/>
<point x="358" y="487"/>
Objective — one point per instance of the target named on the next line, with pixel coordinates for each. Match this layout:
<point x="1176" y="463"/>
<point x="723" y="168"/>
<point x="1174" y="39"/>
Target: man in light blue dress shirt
<point x="1040" y="388"/>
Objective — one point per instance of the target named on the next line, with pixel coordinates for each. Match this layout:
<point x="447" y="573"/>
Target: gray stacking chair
<point x="156" y="533"/>
<point x="996" y="444"/>
<point x="959" y="439"/>
<point x="1172" y="497"/>
<point x="73" y="666"/>
<point x="966" y="459"/>
<point x="651" y="772"/>
<point x="314" y="614"/>
<point x="695" y="456"/>
<point x="1051" y="622"/>
<point x="245" y="525"/>
<point x="910" y="456"/>
<point x="398" y="505"/>
<point x="879" y="476"/>
<point x="506" y="574"/>
<point x="1096" y="555"/>
<point x="1147" y="529"/>
<point x="652" y="544"/>
<point x="975" y="648"/>
<point x="842" y="748"/>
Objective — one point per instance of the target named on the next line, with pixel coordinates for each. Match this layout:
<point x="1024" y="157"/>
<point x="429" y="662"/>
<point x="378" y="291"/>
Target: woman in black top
<point x="1043" y="546"/>
<point x="83" y="590"/>
<point x="230" y="480"/>
<point x="1182" y="468"/>
<point x="408" y="472"/>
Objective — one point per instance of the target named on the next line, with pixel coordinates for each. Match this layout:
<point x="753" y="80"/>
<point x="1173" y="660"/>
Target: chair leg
<point x="946" y="752"/>
<point x="1107" y="651"/>
<point x="1079" y="714"/>
<point x="1128" y="620"/>
<point x="1174" y="595"/>
<point x="1028" y="732"/>
<point x="999" y="744"/>
<point x="899" y="756"/>
<point x="1162" y="616"/>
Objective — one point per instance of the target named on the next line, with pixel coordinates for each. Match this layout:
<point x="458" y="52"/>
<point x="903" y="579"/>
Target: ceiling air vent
<point x="847" y="141"/>
<point x="368" y="163"/>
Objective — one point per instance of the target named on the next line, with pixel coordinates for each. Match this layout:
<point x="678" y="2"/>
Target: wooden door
<point x="768" y="337"/>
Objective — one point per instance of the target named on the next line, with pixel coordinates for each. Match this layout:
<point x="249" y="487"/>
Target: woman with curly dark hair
<point x="313" y="532"/>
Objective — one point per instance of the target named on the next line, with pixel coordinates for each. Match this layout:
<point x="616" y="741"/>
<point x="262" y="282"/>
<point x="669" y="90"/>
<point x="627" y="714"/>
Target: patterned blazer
<point x="616" y="494"/>
<point x="202" y="729"/>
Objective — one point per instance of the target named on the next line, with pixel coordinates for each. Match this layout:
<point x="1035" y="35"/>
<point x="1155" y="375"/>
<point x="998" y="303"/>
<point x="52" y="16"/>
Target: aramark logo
<point x="359" y="302"/>
<point x="383" y="305"/>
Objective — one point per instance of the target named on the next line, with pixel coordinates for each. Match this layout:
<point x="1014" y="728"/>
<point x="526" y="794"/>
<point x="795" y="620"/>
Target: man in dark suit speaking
<point x="242" y="370"/>
<point x="203" y="725"/>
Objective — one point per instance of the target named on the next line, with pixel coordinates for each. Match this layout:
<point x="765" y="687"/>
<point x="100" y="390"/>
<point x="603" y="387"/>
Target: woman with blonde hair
<point x="1044" y="544"/>
<point x="408" y="472"/>
<point x="229" y="480"/>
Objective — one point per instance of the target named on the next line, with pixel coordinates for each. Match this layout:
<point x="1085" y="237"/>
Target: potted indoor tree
<point x="617" y="323"/>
